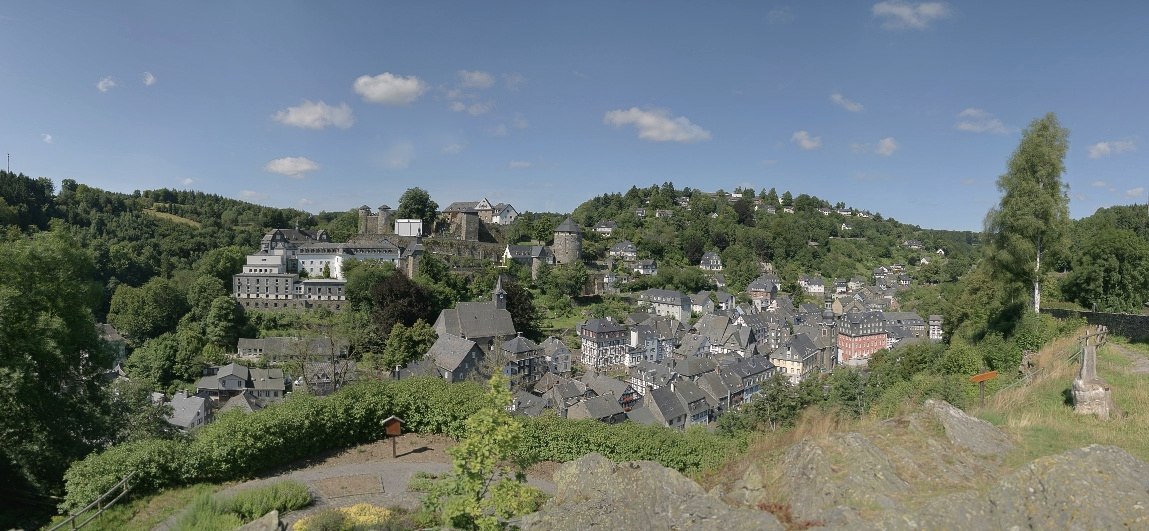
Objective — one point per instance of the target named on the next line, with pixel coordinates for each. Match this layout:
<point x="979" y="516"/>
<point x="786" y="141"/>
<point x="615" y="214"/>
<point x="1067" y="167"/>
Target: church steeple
<point x="499" y="296"/>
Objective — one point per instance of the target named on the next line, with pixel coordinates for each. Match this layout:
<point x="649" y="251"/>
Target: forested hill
<point x="135" y="237"/>
<point x="816" y="238"/>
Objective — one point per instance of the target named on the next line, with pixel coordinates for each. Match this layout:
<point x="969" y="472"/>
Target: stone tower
<point x="386" y="223"/>
<point x="568" y="242"/>
<point x="499" y="296"/>
<point x="364" y="216"/>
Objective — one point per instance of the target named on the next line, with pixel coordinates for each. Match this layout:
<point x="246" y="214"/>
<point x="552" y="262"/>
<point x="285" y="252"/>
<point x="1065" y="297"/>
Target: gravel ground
<point x="368" y="474"/>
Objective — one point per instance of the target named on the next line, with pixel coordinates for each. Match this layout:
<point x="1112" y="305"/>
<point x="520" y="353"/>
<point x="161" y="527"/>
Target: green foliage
<point x="406" y="344"/>
<point x="1110" y="271"/>
<point x="416" y="203"/>
<point x="1031" y="221"/>
<point x="51" y="362"/>
<point x="227" y="513"/>
<point x="279" y="496"/>
<point x="222" y="263"/>
<point x="148" y="311"/>
<point x="484" y="487"/>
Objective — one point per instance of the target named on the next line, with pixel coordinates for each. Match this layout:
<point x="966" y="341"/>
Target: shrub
<point x="207" y="513"/>
<point x="356" y="517"/>
<point x="279" y="496"/>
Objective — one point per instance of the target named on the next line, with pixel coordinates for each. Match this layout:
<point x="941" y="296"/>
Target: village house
<point x="604" y="342"/>
<point x="188" y="412"/>
<point x="525" y="362"/>
<point x="710" y="262"/>
<point x="625" y="250"/>
<point x="557" y="355"/>
<point x="605" y="228"/>
<point x="646" y="267"/>
<point x="666" y="302"/>
<point x="455" y="359"/>
<point x="480" y="322"/>
<point x="860" y="335"/>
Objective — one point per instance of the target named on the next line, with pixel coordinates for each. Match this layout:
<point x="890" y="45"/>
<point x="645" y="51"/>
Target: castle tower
<point x="364" y="214"/>
<point x="568" y="242"/>
<point x="499" y="296"/>
<point x="386" y="220"/>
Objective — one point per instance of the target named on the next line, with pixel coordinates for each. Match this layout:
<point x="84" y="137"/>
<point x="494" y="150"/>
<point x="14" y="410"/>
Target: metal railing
<point x="101" y="504"/>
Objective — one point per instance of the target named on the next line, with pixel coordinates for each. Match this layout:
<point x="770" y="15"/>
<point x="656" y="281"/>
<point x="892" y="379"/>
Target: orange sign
<point x="985" y="376"/>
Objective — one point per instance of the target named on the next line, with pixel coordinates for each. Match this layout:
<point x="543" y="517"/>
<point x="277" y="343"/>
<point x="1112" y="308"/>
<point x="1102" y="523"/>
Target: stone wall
<point x="1129" y="326"/>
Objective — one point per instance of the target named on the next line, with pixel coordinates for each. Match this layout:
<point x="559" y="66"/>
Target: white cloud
<point x="452" y="149"/>
<point x="498" y="130"/>
<point x="969" y="181"/>
<point x="976" y="120"/>
<point x="303" y="202"/>
<point x="805" y="141"/>
<point x="105" y="84"/>
<point x="657" y="125"/>
<point x="311" y="115"/>
<point x="513" y="80"/>
<point x="844" y="103"/>
<point x="473" y="109"/>
<point x="1113" y="147"/>
<point x="399" y="156"/>
<point x="519" y="121"/>
<point x="390" y="89"/>
<point x="1099" y="184"/>
<point x="149" y="79"/>
<point x="887" y="146"/>
<point x="252" y="195"/>
<point x="294" y="167"/>
<point x="476" y="79"/>
<point x="188" y="181"/>
<point x="520" y="164"/>
<point x="1135" y="192"/>
<point x="898" y="14"/>
<point x="779" y="15"/>
<point x="46" y="138"/>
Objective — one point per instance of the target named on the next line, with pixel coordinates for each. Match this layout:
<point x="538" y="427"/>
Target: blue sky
<point x="904" y="108"/>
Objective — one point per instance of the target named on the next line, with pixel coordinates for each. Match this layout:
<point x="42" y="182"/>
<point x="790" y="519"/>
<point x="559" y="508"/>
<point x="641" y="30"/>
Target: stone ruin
<point x="1091" y="394"/>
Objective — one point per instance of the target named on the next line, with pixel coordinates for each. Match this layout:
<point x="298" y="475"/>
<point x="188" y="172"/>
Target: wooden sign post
<point x="980" y="380"/>
<point x="393" y="428"/>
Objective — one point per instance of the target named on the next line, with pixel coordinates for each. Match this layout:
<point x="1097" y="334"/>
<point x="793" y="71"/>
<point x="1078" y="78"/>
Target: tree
<point x="1030" y="222"/>
<point x="52" y="365"/>
<point x="398" y="299"/>
<point x="222" y="263"/>
<point x="1110" y="272"/>
<point x="147" y="311"/>
<point x="406" y="344"/>
<point x="416" y="203"/>
<point x="521" y="306"/>
<point x="487" y="485"/>
<point x="202" y="291"/>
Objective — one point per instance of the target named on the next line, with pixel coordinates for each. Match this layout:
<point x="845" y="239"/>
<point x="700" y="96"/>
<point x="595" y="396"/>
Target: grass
<point x="172" y="217"/>
<point x="210" y="511"/>
<point x="1040" y="415"/>
<point x="146" y="513"/>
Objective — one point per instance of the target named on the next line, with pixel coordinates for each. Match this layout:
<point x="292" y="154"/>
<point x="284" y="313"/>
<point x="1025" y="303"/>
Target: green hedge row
<point x="238" y="446"/>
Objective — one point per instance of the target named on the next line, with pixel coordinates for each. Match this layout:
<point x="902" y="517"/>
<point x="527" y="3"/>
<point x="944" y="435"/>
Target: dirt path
<point x="1140" y="362"/>
<point x="368" y="474"/>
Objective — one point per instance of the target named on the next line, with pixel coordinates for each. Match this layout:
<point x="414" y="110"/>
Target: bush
<point x="279" y="496"/>
<point x="206" y="513"/>
<point x="359" y="516"/>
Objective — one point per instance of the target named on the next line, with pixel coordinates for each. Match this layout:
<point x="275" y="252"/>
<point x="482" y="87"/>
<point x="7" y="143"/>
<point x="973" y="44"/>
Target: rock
<point x="593" y="492"/>
<point x="830" y="480"/>
<point x="1096" y="487"/>
<point x="267" y="522"/>
<point x="964" y="431"/>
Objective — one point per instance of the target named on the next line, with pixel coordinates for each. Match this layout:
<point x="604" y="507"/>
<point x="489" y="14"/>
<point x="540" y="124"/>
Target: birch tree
<point x="1030" y="222"/>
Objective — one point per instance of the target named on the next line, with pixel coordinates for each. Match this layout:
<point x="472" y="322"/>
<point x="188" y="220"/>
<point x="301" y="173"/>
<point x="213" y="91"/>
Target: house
<point x="455" y="358"/>
<point x="935" y="328"/>
<point x="649" y="375"/>
<point x="243" y="402"/>
<point x="693" y="367"/>
<point x="188" y="412"/>
<point x="480" y="322"/>
<point x="626" y="250"/>
<point x="762" y="290"/>
<point x="719" y="390"/>
<point x="281" y="349"/>
<point x="797" y="358"/>
<point x="525" y="403"/>
<point x="557" y="355"/>
<point x="693" y="345"/>
<point x="666" y="407"/>
<point x="711" y="262"/>
<point x="666" y="302"/>
<point x="663" y="214"/>
<point x="528" y="255"/>
<point x="525" y="362"/>
<point x="813" y="285"/>
<point x="646" y="267"/>
<point x="605" y="228"/>
<point x="604" y="342"/>
<point x="601" y="408"/>
<point x="647" y="344"/>
<point x="324" y="378"/>
<point x="913" y="322"/>
<point x="914" y="245"/>
<point x="221" y="383"/>
<point x="623" y="393"/>
<point x="750" y="372"/>
<point x="698" y="406"/>
<point x="860" y="335"/>
<point x="725" y="337"/>
<point x="504" y="214"/>
<point x="640" y="212"/>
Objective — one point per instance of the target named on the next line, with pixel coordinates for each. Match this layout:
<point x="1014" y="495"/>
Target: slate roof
<point x="476" y="319"/>
<point x="268" y="379"/>
<point x="528" y="404"/>
<point x="450" y="350"/>
<point x="184" y="409"/>
<point x="643" y="415"/>
<point x="242" y="402"/>
<point x="568" y="225"/>
<point x="599" y="408"/>
<point x="233" y="369"/>
<point x="605" y="385"/>
<point x="461" y="206"/>
<point x="521" y="345"/>
<point x="665" y="404"/>
<point x="553" y="346"/>
<point x="692" y="367"/>
<point x="602" y="326"/>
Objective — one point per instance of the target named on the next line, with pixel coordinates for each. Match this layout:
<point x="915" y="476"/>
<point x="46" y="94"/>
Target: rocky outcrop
<point x="593" y="492"/>
<point x="964" y="431"/>
<point x="940" y="469"/>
